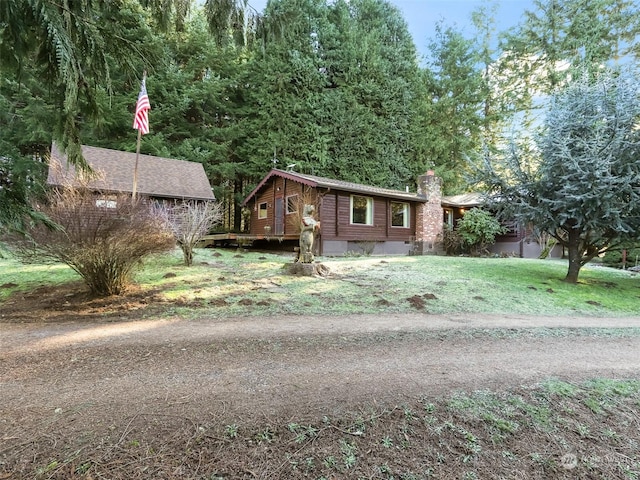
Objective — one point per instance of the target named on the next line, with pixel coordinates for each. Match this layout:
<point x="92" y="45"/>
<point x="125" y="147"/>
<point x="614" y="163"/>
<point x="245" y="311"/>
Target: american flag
<point x="141" y="119"/>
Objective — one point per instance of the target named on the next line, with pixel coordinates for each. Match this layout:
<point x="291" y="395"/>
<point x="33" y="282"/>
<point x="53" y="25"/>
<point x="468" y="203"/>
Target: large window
<point x="262" y="210"/>
<point x="399" y="214"/>
<point x="361" y="210"/>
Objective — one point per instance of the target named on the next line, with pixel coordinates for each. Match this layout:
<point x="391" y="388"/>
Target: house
<point x="517" y="240"/>
<point x="160" y="179"/>
<point x="353" y="217"/>
<point x="365" y="219"/>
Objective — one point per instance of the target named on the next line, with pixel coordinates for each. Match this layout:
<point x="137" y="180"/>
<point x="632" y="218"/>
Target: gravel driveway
<point x="271" y="366"/>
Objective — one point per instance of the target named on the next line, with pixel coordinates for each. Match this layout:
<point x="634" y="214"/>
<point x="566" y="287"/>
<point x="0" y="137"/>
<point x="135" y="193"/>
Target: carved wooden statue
<point x="308" y="228"/>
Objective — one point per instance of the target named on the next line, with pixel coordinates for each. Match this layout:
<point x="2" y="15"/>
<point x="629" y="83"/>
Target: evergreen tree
<point x="585" y="191"/>
<point x="560" y="39"/>
<point x="334" y="91"/>
<point x="496" y="108"/>
<point x="195" y="90"/>
<point x="372" y="135"/>
<point x="72" y="45"/>
<point x="455" y="117"/>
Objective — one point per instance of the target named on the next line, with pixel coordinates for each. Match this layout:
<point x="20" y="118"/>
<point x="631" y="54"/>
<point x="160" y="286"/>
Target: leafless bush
<point x="308" y="197"/>
<point x="190" y="221"/>
<point x="102" y="240"/>
<point x="452" y="242"/>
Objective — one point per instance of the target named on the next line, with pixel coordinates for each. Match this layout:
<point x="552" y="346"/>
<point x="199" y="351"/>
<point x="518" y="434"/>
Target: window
<point x="399" y="214"/>
<point x="361" y="210"/>
<point x="262" y="210"/>
<point x="106" y="203"/>
<point x="448" y="217"/>
<point x="292" y="204"/>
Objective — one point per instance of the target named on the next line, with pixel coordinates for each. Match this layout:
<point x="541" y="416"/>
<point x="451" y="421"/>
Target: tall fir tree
<point x="455" y="119"/>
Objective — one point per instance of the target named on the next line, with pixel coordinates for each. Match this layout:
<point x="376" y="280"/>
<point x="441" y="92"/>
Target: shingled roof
<point x="157" y="176"/>
<point x="330" y="183"/>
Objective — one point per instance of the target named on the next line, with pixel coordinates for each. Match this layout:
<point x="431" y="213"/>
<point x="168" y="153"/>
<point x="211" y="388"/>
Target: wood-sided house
<point x="353" y="217"/>
<point x="159" y="179"/>
<point x="362" y="218"/>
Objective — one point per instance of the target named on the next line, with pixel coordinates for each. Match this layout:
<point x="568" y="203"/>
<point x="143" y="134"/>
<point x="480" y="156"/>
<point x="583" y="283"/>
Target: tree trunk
<point x="237" y="211"/>
<point x="187" y="253"/>
<point x="575" y="257"/>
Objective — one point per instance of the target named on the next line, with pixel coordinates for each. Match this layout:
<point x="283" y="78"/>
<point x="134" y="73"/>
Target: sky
<point x="422" y="15"/>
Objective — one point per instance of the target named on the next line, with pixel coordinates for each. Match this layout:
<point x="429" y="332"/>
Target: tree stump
<point x="307" y="269"/>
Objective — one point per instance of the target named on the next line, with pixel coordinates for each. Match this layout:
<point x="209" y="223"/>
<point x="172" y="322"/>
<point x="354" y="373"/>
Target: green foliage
<point x="478" y="229"/>
<point x="333" y="87"/>
<point x="20" y="185"/>
<point x="335" y="93"/>
<point x="560" y="39"/>
<point x="614" y="257"/>
<point x="586" y="189"/>
<point x="70" y="46"/>
<point x="453" y="117"/>
<point x="24" y="117"/>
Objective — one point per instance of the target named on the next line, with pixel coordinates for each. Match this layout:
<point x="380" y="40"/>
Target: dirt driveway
<point x="275" y="366"/>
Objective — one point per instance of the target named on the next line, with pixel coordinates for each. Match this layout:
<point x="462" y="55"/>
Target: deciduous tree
<point x="189" y="222"/>
<point x="104" y="242"/>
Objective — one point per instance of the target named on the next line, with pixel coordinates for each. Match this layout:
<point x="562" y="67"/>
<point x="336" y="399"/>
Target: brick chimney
<point x="429" y="215"/>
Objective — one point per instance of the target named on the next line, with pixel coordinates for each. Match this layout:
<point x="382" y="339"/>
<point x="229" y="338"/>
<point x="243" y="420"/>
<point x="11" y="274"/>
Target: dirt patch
<point x="419" y="301"/>
<point x="73" y="302"/>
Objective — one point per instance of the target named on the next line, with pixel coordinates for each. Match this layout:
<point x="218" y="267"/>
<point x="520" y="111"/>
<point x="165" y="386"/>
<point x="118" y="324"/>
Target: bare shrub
<point x="190" y="221"/>
<point x="308" y="197"/>
<point x="103" y="240"/>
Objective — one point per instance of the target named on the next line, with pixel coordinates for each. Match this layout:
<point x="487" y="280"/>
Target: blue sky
<point x="422" y="15"/>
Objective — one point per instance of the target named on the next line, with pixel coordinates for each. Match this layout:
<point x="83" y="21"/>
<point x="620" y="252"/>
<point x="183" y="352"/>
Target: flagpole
<point x="135" y="168"/>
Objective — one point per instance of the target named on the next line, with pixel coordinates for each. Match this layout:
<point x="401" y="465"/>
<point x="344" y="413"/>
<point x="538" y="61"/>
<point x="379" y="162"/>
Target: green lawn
<point x="225" y="282"/>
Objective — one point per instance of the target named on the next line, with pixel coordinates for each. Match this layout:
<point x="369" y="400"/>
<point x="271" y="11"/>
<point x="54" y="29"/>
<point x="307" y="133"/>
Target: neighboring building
<point x="353" y="217"/>
<point x="161" y="179"/>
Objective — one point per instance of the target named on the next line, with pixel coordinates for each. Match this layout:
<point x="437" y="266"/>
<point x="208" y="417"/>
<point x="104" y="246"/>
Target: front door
<point x="279" y="216"/>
